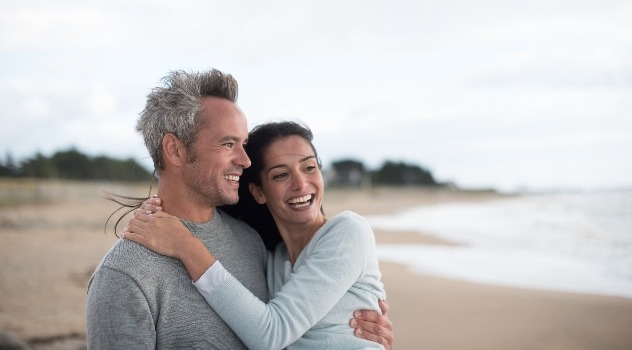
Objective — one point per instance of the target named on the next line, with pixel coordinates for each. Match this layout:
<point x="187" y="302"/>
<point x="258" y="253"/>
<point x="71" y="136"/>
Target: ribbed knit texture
<point x="312" y="302"/>
<point x="138" y="299"/>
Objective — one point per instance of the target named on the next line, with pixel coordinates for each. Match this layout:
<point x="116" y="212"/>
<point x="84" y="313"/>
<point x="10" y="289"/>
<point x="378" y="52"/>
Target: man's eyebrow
<point x="229" y="138"/>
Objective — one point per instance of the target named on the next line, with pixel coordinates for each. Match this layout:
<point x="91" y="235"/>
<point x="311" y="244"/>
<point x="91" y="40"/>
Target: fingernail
<point x="358" y="332"/>
<point x="354" y="323"/>
<point x="357" y="314"/>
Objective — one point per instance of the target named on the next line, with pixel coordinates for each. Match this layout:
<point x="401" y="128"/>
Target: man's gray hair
<point x="174" y="107"/>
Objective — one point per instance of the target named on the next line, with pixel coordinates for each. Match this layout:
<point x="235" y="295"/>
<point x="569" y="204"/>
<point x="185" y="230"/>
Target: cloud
<point x="481" y="92"/>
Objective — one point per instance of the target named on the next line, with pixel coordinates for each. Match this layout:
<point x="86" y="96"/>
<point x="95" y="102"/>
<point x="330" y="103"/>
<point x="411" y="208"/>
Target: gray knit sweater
<point x="138" y="299"/>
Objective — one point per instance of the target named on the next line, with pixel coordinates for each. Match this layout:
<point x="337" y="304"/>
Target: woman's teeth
<point x="300" y="202"/>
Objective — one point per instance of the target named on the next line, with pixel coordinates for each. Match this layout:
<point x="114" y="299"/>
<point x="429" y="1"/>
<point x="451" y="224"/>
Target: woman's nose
<point x="299" y="181"/>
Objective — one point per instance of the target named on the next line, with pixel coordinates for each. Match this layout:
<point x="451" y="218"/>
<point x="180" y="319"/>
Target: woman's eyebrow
<point x="285" y="166"/>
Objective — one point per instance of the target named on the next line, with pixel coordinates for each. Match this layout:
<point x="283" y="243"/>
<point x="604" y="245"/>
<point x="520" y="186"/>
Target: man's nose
<point x="243" y="159"/>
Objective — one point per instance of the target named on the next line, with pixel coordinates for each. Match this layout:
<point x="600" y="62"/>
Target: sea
<point x="571" y="242"/>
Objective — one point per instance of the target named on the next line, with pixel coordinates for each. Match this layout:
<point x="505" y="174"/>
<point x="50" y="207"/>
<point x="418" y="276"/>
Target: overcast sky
<point x="488" y="93"/>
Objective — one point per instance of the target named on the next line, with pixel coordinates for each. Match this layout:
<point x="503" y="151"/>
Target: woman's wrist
<point x="196" y="257"/>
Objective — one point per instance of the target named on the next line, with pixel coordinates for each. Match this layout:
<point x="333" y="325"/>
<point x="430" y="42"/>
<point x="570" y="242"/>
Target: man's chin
<point x="231" y="200"/>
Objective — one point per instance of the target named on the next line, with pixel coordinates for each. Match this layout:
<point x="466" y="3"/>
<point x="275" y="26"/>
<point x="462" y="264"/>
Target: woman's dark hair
<point x="247" y="209"/>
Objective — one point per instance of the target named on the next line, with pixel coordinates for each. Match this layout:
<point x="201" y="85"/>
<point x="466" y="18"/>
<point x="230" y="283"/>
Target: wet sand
<point x="52" y="237"/>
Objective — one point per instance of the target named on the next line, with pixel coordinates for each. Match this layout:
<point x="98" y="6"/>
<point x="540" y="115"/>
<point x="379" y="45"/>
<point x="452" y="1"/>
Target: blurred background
<point x="488" y="143"/>
<point x="506" y="94"/>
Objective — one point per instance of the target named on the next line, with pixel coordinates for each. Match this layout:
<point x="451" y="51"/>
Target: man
<point x="137" y="299"/>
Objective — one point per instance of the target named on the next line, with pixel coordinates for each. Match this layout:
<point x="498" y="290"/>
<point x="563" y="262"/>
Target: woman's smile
<point x="301" y="202"/>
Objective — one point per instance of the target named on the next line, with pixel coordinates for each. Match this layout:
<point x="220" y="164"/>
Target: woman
<point x="324" y="269"/>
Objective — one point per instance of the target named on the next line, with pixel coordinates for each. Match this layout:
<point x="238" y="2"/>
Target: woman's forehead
<point x="290" y="148"/>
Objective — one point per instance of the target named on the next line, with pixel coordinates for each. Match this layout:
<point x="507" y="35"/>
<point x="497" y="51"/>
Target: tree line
<point x="73" y="164"/>
<point x="353" y="173"/>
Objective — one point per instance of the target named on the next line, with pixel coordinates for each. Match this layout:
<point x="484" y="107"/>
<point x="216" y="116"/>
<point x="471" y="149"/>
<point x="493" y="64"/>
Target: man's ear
<point x="173" y="150"/>
<point x="256" y="193"/>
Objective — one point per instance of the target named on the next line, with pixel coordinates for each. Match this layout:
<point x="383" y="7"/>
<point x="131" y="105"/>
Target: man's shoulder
<point x="126" y="256"/>
<point x="235" y="224"/>
<point x="240" y="235"/>
<point x="130" y="262"/>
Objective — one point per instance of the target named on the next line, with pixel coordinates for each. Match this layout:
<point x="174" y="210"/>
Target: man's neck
<point x="178" y="201"/>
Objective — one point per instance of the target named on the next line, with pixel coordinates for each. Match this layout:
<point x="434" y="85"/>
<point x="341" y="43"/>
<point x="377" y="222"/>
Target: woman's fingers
<point x="133" y="236"/>
<point x="142" y="222"/>
<point x="138" y="220"/>
<point x="135" y="226"/>
<point x="142" y="214"/>
<point x="148" y="215"/>
<point x="152" y="204"/>
<point x="384" y="306"/>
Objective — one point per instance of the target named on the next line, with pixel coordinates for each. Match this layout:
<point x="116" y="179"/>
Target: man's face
<point x="216" y="158"/>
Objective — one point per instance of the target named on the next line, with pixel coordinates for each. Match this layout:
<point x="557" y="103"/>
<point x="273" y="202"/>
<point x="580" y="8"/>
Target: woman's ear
<point x="256" y="193"/>
<point x="173" y="150"/>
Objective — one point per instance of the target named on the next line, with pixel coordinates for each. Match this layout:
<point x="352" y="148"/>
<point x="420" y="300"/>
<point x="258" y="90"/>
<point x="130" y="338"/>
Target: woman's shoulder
<point x="347" y="234"/>
<point x="347" y="226"/>
<point x="348" y="217"/>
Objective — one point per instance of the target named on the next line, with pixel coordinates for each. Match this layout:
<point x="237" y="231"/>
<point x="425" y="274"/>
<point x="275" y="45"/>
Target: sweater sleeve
<point x="334" y="260"/>
<point x="118" y="316"/>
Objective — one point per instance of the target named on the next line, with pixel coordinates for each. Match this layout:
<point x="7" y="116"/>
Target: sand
<point x="52" y="237"/>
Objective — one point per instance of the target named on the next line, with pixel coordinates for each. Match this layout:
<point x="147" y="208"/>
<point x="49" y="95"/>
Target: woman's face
<point x="291" y="182"/>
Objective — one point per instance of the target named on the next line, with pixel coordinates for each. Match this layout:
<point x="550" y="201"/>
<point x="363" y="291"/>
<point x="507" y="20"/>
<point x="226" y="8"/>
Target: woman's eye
<point x="279" y="176"/>
<point x="310" y="168"/>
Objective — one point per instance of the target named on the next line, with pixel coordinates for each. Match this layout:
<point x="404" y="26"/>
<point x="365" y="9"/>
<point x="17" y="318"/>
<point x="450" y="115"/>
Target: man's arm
<point x="118" y="316"/>
<point x="372" y="325"/>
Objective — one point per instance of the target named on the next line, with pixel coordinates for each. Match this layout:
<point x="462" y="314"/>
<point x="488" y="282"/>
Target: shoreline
<point x="57" y="244"/>
<point x="437" y="312"/>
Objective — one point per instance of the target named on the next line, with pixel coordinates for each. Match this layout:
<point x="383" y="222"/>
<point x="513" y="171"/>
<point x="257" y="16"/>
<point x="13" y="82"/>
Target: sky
<point x="491" y="93"/>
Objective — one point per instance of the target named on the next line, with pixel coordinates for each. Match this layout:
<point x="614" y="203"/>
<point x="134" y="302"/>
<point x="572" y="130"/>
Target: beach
<point x="52" y="237"/>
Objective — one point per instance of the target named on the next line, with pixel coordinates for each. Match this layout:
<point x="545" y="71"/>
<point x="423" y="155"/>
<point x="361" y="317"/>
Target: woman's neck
<point x="297" y="237"/>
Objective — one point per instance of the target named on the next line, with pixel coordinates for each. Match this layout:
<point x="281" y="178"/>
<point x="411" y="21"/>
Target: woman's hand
<point x="152" y="205"/>
<point x="163" y="233"/>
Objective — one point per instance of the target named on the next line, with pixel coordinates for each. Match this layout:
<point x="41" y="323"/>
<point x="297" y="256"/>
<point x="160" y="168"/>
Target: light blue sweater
<point x="311" y="302"/>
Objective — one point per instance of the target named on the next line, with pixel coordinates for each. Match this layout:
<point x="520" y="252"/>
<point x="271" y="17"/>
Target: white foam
<point x="575" y="243"/>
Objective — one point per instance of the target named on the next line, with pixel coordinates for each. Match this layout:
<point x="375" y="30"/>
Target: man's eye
<point x="229" y="144"/>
